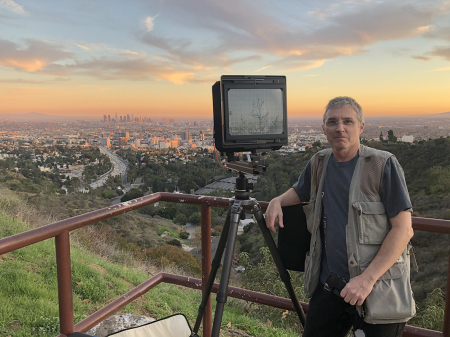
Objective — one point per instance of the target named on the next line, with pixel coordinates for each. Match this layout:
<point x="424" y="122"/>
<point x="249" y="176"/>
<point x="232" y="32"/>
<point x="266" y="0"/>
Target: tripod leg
<point x="284" y="274"/>
<point x="215" y="265"/>
<point x="221" y="297"/>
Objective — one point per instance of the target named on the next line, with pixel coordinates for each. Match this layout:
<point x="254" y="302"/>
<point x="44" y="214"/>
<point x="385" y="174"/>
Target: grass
<point x="29" y="301"/>
<point x="174" y="232"/>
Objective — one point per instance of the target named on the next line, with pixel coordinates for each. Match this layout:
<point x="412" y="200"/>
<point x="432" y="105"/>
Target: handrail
<point x="189" y="282"/>
<point x="60" y="230"/>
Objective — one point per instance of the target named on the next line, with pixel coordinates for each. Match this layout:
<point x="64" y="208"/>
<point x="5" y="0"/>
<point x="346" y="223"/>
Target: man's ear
<point x="361" y="128"/>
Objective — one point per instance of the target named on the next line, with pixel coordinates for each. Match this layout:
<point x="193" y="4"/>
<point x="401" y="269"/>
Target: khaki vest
<point x="391" y="300"/>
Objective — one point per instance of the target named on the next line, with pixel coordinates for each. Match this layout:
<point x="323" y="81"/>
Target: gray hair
<point x="339" y="102"/>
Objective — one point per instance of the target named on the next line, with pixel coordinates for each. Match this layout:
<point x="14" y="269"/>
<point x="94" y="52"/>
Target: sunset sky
<point x="159" y="58"/>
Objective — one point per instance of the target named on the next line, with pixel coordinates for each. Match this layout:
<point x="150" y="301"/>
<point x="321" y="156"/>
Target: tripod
<point x="227" y="242"/>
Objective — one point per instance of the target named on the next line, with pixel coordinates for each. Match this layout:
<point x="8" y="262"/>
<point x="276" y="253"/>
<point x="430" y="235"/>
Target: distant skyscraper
<point x="109" y="118"/>
<point x="186" y="135"/>
<point x="128" y="118"/>
<point x="202" y="135"/>
<point x="116" y="116"/>
<point x="104" y="118"/>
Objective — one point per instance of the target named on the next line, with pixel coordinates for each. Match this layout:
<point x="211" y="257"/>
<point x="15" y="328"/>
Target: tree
<point x="195" y="218"/>
<point x="439" y="180"/>
<point x="217" y="231"/>
<point x="260" y="114"/>
<point x="167" y="211"/>
<point x="381" y="136"/>
<point x="132" y="194"/>
<point x="391" y="137"/>
<point x="180" y="219"/>
<point x="317" y="143"/>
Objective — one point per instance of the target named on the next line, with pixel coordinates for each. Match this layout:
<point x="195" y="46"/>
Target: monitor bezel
<point x="226" y="142"/>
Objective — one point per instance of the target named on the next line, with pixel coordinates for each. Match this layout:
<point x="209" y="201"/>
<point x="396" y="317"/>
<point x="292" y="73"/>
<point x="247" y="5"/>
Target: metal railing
<point x="60" y="231"/>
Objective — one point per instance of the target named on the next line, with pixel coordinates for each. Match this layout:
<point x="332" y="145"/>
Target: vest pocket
<point x="372" y="222"/>
<point x="391" y="298"/>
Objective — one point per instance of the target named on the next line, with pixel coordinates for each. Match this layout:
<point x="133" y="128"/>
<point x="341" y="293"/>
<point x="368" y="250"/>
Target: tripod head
<point x="243" y="187"/>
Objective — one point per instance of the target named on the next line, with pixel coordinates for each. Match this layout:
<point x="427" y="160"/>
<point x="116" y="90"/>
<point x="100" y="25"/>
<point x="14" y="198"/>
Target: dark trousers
<point x="328" y="317"/>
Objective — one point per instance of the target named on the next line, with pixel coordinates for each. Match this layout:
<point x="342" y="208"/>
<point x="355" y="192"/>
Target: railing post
<point x="206" y="265"/>
<point x="446" y="329"/>
<point x="65" y="294"/>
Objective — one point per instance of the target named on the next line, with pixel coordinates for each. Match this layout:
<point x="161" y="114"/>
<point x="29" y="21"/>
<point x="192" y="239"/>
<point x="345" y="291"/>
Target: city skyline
<point x="160" y="58"/>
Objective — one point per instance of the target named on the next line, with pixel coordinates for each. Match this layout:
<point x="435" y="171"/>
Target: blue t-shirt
<point x="335" y="199"/>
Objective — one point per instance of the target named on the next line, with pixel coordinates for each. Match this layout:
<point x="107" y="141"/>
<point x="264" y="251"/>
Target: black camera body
<point x="249" y="113"/>
<point x="334" y="284"/>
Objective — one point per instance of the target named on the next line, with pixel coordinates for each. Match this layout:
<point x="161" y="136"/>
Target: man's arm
<point x="359" y="287"/>
<point x="274" y="212"/>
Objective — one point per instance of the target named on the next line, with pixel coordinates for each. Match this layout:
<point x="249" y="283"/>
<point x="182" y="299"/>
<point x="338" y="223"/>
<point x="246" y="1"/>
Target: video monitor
<point x="250" y="113"/>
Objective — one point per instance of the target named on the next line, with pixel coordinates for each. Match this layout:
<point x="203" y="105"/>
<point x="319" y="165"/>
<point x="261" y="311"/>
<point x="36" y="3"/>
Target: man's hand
<point x="356" y="291"/>
<point x="274" y="215"/>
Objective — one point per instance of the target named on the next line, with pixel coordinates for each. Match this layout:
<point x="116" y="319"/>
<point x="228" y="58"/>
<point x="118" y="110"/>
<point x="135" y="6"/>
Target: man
<point x="359" y="216"/>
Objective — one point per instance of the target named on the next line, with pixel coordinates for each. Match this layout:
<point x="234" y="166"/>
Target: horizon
<point x="159" y="59"/>
<point x="43" y="117"/>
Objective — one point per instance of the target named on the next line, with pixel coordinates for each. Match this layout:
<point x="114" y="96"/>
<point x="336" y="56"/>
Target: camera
<point x="249" y="113"/>
<point x="334" y="284"/>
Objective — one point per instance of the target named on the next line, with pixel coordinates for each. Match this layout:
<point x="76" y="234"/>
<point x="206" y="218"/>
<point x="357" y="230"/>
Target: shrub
<point x="171" y="256"/>
<point x="432" y="315"/>
<point x="174" y="242"/>
<point x="184" y="235"/>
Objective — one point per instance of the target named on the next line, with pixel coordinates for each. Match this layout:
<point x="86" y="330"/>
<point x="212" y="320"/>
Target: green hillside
<point x="28" y="291"/>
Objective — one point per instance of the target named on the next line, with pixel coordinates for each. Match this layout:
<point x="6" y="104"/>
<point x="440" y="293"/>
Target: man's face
<point x="342" y="128"/>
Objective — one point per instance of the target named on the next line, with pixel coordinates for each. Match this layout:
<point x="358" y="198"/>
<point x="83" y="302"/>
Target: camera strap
<point x="356" y="319"/>
<point x="334" y="285"/>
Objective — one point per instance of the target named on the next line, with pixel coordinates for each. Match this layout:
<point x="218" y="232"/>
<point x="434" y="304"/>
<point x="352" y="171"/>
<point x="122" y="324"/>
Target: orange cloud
<point x="34" y="57"/>
<point x="306" y="65"/>
<point x="129" y="52"/>
<point x="177" y="77"/>
<point x="27" y="65"/>
<point x="442" y="69"/>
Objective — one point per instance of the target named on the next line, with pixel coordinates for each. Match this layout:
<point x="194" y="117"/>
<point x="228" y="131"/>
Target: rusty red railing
<point x="60" y="231"/>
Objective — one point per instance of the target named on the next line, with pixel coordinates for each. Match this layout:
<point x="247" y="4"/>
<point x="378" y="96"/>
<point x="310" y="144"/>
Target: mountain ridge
<point x="42" y="117"/>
